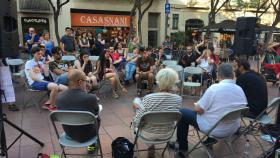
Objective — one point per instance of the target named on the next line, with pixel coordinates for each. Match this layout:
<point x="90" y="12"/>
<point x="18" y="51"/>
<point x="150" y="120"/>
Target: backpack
<point x="122" y="148"/>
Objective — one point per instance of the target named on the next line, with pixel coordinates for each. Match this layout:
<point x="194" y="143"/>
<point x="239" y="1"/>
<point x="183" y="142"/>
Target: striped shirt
<point x="161" y="101"/>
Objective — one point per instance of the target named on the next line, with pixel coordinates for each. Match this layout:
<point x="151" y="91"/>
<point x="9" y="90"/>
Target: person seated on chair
<point x="58" y="68"/>
<point x="105" y="71"/>
<point x="188" y="58"/>
<point x="254" y="87"/>
<point x="210" y="109"/>
<point x="130" y="66"/>
<point x="36" y="79"/>
<point x="164" y="100"/>
<point x="76" y="98"/>
<point x="160" y="58"/>
<point x="144" y="70"/>
<point x="85" y="65"/>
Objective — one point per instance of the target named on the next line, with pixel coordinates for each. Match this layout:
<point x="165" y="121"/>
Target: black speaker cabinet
<point x="9" y="39"/>
<point x="245" y="41"/>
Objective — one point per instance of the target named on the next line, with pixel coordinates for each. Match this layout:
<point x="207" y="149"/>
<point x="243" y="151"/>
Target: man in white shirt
<point x="218" y="100"/>
<point x="34" y="70"/>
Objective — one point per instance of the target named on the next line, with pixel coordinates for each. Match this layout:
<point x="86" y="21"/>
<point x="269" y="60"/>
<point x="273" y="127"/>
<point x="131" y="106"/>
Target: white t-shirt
<point x="216" y="102"/>
<point x="205" y="65"/>
<point x="29" y="65"/>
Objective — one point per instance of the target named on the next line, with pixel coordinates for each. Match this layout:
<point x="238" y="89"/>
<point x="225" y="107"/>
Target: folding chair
<point x="180" y="70"/>
<point x="102" y="84"/>
<point x="232" y="115"/>
<point x="169" y="62"/>
<point x="74" y="118"/>
<point x="69" y="59"/>
<point x="189" y="72"/>
<point x="260" y="121"/>
<point x="161" y="125"/>
<point x="93" y="58"/>
<point x="15" y="62"/>
<point x="35" y="94"/>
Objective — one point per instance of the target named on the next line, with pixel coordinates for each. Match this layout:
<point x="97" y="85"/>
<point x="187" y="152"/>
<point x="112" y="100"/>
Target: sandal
<point x="124" y="89"/>
<point x="115" y="95"/>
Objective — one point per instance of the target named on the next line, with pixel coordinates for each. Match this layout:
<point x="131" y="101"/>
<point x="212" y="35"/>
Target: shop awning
<point x="228" y="26"/>
<point x="194" y="23"/>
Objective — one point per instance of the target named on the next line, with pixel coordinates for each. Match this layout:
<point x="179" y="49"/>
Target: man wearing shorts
<point x="34" y="70"/>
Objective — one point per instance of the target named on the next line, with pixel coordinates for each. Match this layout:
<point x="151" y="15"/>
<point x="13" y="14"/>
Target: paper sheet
<point x="7" y="85"/>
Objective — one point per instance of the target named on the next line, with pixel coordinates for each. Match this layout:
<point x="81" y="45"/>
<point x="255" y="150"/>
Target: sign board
<point x="41" y="25"/>
<point x="167" y="8"/>
<point x="87" y="19"/>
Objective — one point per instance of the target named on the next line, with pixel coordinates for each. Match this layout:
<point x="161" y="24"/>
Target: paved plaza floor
<point x="116" y="117"/>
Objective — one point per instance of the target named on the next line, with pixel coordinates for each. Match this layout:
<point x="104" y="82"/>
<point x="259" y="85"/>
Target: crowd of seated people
<point x="47" y="72"/>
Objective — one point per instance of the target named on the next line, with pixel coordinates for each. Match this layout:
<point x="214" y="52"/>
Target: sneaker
<point x="52" y="108"/>
<point x="13" y="107"/>
<point x="210" y="141"/>
<point x="46" y="107"/>
<point x="47" y="102"/>
<point x="181" y="154"/>
<point x="91" y="149"/>
<point x="172" y="145"/>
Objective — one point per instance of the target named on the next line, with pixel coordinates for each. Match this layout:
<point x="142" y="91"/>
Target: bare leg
<point x="150" y="80"/>
<point x="54" y="90"/>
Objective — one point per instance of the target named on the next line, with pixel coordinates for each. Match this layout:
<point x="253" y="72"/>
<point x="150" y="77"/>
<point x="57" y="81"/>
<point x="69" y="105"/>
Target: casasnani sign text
<point x="82" y="19"/>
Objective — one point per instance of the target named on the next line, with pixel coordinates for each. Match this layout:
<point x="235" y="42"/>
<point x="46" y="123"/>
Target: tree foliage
<point x="215" y="7"/>
<point x="276" y="8"/>
<point x="142" y="6"/>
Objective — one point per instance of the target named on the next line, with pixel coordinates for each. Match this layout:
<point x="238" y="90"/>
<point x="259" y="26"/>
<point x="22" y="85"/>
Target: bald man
<point x="76" y="98"/>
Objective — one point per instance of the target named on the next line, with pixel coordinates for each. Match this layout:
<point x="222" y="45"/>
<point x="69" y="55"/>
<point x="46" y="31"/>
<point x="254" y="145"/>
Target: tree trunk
<point x="211" y="21"/>
<point x="55" y="18"/>
<point x="131" y="29"/>
<point x="139" y="31"/>
<point x="139" y="22"/>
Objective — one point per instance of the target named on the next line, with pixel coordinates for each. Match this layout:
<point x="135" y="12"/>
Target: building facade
<point x="99" y="16"/>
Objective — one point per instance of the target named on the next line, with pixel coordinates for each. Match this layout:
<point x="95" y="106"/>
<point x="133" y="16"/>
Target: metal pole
<point x="166" y="21"/>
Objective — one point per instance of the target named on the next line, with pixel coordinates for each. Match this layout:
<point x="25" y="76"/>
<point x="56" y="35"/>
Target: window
<point x="175" y="21"/>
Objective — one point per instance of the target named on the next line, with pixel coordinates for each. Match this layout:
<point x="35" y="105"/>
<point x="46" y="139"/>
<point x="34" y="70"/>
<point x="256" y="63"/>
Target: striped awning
<point x="34" y="6"/>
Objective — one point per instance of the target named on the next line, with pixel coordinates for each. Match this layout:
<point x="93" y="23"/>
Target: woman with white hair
<point x="164" y="100"/>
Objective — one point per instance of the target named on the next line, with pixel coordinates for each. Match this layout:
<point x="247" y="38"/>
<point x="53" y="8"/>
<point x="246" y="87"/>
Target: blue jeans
<point x="130" y="67"/>
<point x="188" y="118"/>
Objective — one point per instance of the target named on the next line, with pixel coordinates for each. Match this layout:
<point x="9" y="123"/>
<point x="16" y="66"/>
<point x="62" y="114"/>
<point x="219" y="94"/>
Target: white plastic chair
<point x="189" y="72"/>
<point x="180" y="70"/>
<point x="169" y="62"/>
<point x="161" y="125"/>
<point x="168" y="57"/>
<point x="93" y="58"/>
<point x="68" y="58"/>
<point x="15" y="62"/>
<point x="229" y="116"/>
<point x="260" y="121"/>
<point x="74" y="118"/>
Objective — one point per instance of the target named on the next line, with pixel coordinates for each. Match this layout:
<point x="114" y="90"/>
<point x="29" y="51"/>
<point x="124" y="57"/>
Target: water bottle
<point x="246" y="149"/>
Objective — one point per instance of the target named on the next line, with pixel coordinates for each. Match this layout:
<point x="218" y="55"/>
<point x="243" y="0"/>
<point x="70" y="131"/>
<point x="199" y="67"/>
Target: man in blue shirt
<point x="30" y="39"/>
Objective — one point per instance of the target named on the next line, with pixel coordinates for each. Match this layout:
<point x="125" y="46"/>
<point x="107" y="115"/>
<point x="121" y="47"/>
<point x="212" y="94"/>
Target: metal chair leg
<point x="100" y="148"/>
<point x="162" y="154"/>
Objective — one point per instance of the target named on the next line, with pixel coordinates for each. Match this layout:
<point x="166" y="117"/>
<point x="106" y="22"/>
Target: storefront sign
<point x="83" y="19"/>
<point x="35" y="20"/>
<point x="40" y="24"/>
